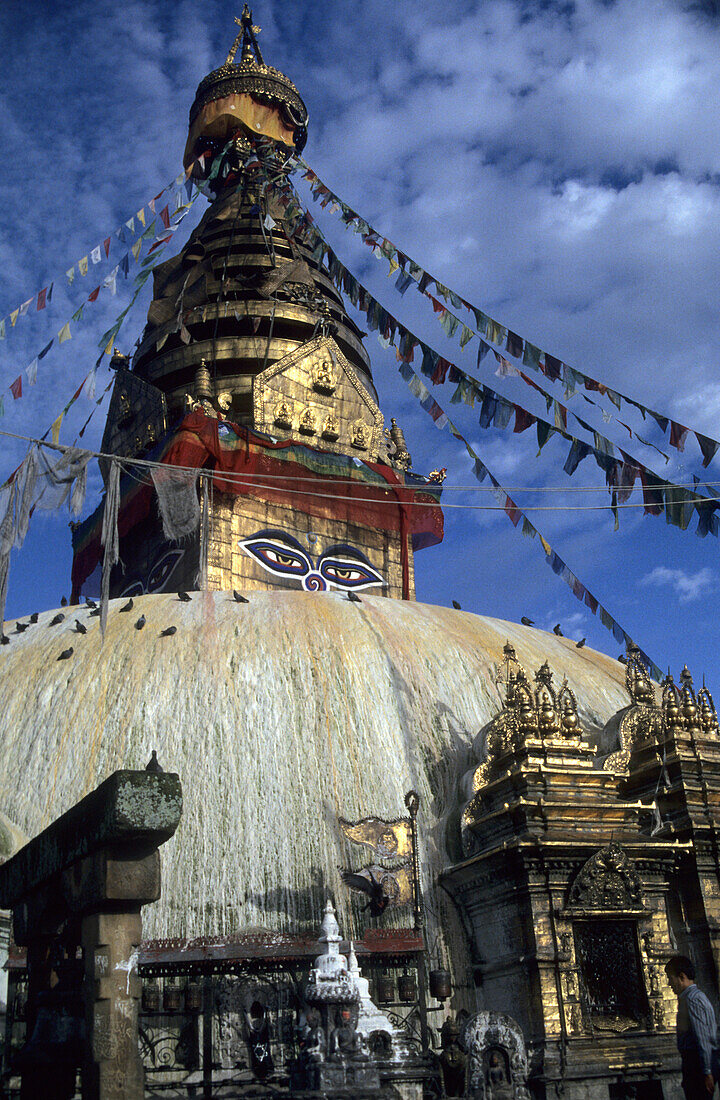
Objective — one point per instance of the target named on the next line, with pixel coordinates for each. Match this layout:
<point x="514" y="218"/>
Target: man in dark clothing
<point x="696" y="1030"/>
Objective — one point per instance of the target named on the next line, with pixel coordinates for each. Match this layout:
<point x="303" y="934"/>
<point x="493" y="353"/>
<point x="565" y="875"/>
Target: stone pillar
<point x="83" y="882"/>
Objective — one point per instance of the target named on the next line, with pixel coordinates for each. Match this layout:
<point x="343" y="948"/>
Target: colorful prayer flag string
<point x="485" y="326"/>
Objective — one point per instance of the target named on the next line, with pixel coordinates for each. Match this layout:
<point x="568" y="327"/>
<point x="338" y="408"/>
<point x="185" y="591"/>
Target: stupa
<point x="264" y="639"/>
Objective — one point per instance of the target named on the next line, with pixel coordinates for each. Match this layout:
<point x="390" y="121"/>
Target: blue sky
<point x="557" y="164"/>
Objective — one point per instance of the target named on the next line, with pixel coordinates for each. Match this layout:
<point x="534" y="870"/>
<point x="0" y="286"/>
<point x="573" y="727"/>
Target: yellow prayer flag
<point x="83" y="265"/>
<point x="110" y="346"/>
<point x="64" y="333"/>
<point x="70" y="274"/>
<point x="141" y="216"/>
<point x="136" y="248"/>
<point x="56" y="428"/>
<point x="394" y="265"/>
<point x="545" y="545"/>
<point x="14" y="316"/>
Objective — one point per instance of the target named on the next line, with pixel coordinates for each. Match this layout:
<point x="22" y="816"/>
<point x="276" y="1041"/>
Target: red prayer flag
<point x="93" y="297"/>
<point x="41" y="298"/>
<point x="438" y="375"/>
<point x="16" y="388"/>
<point x="157" y="244"/>
<point x="523" y="419"/>
<point x="678" y="435"/>
<point x="512" y="510"/>
<point x="165" y="217"/>
<point x="106" y="242"/>
<point x="437" y="306"/>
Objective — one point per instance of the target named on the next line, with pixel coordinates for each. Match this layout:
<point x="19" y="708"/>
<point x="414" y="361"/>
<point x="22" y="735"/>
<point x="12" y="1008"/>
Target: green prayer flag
<point x="531" y="356"/>
<point x="465" y="336"/>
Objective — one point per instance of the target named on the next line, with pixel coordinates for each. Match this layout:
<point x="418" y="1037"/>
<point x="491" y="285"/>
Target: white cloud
<point x="687" y="586"/>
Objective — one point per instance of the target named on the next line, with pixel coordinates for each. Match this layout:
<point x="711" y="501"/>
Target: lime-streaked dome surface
<point x="278" y="714"/>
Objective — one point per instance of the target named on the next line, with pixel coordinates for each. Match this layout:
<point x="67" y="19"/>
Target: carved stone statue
<point x="453" y="1059"/>
<point x="497" y="1075"/>
<point x="345" y="1040"/>
<point x="497" y="1058"/>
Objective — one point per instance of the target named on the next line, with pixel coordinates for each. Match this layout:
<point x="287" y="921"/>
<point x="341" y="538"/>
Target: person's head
<point x="680" y="973"/>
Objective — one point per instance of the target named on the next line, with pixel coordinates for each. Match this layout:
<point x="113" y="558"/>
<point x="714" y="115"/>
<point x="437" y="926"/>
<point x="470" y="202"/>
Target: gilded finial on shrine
<point x="247" y="37"/>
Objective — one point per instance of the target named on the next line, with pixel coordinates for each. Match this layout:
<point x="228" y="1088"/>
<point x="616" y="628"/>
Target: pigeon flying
<point x="66" y="654"/>
<point x="140" y="623"/>
<point x="80" y="629"/>
<point x="153" y="764"/>
<point x="58" y="619"/>
<point x="379" y="900"/>
<point x="526" y="622"/>
<point x="558" y="631"/>
<point x="168" y="632"/>
<point x="238" y="597"/>
<point x="184" y="597"/>
<point x="127" y="606"/>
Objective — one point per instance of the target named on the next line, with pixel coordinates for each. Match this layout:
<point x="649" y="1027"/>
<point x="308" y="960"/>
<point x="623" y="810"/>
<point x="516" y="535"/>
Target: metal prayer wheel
<point x="150" y="997"/>
<point x="440" y="984"/>
<point x="193" y="997"/>
<point x="172" y="998"/>
<point x="407" y="987"/>
<point x="385" y="989"/>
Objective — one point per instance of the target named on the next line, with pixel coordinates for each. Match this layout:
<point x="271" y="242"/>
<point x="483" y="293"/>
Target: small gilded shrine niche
<point x="315" y="393"/>
<point x="605" y="904"/>
<point x="680" y="710"/>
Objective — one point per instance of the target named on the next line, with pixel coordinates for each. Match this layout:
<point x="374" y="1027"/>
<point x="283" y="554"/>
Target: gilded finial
<point x="544" y="675"/>
<point x="247" y="37"/>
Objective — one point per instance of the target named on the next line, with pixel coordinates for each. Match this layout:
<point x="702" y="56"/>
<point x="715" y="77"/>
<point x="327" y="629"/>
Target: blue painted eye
<point x="278" y="557"/>
<point x="349" y="573"/>
<point x="162" y="570"/>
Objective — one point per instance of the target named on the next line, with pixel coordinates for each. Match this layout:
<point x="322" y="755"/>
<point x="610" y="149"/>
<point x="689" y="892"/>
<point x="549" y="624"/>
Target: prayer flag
<point x="106" y="243"/>
<point x="31" y="372"/>
<point x="77" y="315"/>
<point x="83" y="265"/>
<point x="70" y="274"/>
<point x="49" y="293"/>
<point x="552" y="367"/>
<point x="2" y="332"/>
<point x="14" y="316"/>
<point x="25" y="307"/>
<point x="136" y="248"/>
<point x="92" y="297"/>
<point x="45" y="350"/>
<point x="531" y="356"/>
<point x="514" y="345"/>
<point x="41" y="298"/>
<point x="55" y="429"/>
<point x="165" y="217"/>
<point x="678" y="435"/>
<point x="16" y="387"/>
<point x="95" y="255"/>
<point x="109" y="282"/>
<point x="465" y="336"/>
<point x="141" y="217"/>
<point x="64" y="333"/>
<point x="131" y="225"/>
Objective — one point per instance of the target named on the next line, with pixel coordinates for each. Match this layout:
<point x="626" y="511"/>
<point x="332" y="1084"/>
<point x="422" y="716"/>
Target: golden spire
<point x="247" y="37"/>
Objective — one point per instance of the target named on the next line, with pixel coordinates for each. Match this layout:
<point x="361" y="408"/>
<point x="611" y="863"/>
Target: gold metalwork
<point x="283" y="414"/>
<point x="386" y="839"/>
<point x="360" y="437"/>
<point x="308" y="422"/>
<point x="323" y="376"/>
<point x="608" y="882"/>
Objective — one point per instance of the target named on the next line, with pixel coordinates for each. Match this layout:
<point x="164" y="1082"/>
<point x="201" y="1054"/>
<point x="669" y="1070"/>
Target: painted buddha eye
<point x="349" y="573"/>
<point x="278" y="557"/>
<point x="161" y="571"/>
